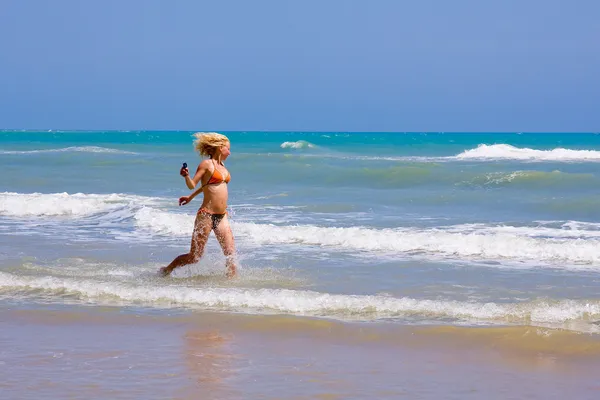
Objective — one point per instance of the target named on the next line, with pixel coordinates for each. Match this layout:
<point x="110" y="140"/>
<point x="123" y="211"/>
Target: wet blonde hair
<point x="207" y="143"/>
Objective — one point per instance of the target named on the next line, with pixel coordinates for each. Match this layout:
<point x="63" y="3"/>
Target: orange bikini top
<point x="217" y="177"/>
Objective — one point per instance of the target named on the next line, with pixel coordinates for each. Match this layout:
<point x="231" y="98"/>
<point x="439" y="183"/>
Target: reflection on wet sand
<point x="90" y="353"/>
<point x="209" y="363"/>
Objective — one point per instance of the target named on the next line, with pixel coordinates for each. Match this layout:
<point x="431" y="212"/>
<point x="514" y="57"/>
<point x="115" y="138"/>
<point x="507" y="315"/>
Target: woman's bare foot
<point x="231" y="273"/>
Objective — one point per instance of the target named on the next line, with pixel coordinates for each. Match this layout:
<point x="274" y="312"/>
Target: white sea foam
<point x="569" y="229"/>
<point x="300" y="144"/>
<point x="479" y="244"/>
<point x="300" y="302"/>
<point x="65" y="204"/>
<point x="505" y="151"/>
<point x="82" y="149"/>
<point x="162" y="222"/>
<point x="471" y="241"/>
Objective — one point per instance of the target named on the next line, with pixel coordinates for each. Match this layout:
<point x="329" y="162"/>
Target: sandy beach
<point x="78" y="352"/>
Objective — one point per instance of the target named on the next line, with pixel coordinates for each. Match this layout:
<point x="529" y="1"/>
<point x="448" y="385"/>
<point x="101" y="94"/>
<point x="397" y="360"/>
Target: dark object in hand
<point x="184" y="171"/>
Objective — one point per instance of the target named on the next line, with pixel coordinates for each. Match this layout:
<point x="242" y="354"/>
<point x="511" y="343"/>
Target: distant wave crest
<point x="81" y="149"/>
<point x="508" y="152"/>
<point x="300" y="144"/>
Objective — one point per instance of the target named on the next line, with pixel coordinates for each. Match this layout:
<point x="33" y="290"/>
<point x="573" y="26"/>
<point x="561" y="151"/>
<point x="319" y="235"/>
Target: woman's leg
<point x="202" y="228"/>
<point x="225" y="238"/>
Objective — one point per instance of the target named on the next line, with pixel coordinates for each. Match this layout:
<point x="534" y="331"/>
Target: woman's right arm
<point x="202" y="168"/>
<point x="192" y="182"/>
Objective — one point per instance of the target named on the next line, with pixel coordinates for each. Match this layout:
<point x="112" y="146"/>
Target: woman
<point x="212" y="215"/>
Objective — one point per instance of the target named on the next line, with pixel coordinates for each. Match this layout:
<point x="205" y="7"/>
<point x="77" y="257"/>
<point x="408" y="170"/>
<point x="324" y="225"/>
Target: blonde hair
<point x="207" y="142"/>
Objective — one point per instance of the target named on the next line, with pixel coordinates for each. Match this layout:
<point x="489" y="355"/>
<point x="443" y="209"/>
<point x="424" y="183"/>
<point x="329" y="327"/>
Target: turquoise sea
<point x="410" y="227"/>
<point x="452" y="230"/>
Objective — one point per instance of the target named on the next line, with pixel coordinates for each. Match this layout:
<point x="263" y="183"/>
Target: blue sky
<point x="329" y="65"/>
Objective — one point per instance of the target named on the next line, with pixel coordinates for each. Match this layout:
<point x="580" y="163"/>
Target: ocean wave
<point x="438" y="242"/>
<point x="481" y="153"/>
<point x="300" y="144"/>
<point x="300" y="302"/>
<point x="571" y="243"/>
<point x="475" y="241"/>
<point x="65" y="204"/>
<point x="508" y="152"/>
<point x="81" y="149"/>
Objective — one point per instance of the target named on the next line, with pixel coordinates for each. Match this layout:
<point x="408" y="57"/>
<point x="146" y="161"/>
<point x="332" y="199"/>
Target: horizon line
<point x="47" y="130"/>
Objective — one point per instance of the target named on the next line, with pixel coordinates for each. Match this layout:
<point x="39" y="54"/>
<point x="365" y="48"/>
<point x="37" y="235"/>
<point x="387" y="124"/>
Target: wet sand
<point x="84" y="352"/>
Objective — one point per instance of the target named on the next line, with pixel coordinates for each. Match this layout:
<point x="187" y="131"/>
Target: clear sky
<point x="319" y="65"/>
